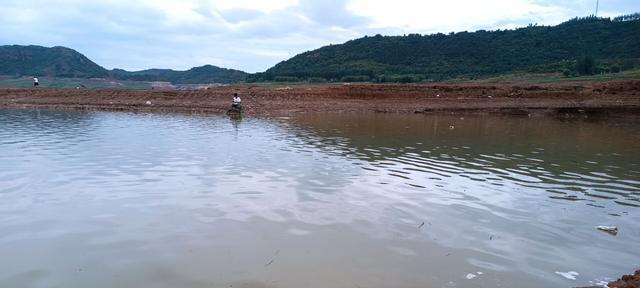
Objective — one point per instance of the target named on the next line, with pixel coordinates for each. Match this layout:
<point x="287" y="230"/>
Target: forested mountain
<point x="18" y="60"/>
<point x="63" y="62"/>
<point x="467" y="54"/>
<point x="197" y="75"/>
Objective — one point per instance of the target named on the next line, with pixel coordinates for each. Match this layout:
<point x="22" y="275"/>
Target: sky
<point x="254" y="35"/>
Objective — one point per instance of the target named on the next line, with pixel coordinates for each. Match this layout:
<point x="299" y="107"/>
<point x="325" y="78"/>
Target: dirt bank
<point x="611" y="97"/>
<point x="628" y="281"/>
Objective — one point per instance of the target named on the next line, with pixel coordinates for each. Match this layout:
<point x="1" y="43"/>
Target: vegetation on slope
<point x="18" y="60"/>
<point x="197" y="75"/>
<point x="61" y="62"/>
<point x="575" y="47"/>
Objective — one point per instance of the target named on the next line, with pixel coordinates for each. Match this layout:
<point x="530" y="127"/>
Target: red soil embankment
<point x="397" y="98"/>
<point x="628" y="281"/>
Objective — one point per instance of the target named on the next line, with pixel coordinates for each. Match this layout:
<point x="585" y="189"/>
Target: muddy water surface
<point x="154" y="200"/>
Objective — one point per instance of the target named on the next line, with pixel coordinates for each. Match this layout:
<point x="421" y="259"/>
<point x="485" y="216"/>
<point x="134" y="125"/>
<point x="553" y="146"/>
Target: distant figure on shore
<point x="35" y="82"/>
<point x="237" y="102"/>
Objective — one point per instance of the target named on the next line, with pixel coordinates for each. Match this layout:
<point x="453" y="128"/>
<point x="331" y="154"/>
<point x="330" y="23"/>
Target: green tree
<point x="586" y="66"/>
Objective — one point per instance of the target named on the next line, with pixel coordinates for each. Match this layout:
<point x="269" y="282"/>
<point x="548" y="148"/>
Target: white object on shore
<point x="471" y="276"/>
<point x="148" y="102"/>
<point x="613" y="230"/>
<point x="571" y="275"/>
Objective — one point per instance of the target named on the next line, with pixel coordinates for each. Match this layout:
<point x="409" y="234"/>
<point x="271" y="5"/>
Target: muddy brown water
<point x="99" y="199"/>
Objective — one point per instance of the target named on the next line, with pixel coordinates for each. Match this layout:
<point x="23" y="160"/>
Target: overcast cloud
<point x="254" y="35"/>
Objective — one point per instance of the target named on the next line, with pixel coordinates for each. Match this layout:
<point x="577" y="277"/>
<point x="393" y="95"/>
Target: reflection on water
<point x="144" y="200"/>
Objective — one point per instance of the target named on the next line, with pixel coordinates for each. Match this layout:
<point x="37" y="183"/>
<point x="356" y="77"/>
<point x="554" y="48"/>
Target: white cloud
<point x="266" y="6"/>
<point x="451" y="15"/>
<point x="177" y="12"/>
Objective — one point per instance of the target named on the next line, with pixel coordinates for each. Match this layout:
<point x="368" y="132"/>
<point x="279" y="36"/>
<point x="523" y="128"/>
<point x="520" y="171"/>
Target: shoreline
<point x="589" y="99"/>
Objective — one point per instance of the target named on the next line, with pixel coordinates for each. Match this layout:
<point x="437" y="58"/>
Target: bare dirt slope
<point x="406" y="98"/>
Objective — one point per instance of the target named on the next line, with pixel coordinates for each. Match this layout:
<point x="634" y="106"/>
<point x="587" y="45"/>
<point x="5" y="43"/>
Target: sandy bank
<point x="612" y="97"/>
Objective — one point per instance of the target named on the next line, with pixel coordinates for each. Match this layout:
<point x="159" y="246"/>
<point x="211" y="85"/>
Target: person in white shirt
<point x="35" y="82"/>
<point x="237" y="102"/>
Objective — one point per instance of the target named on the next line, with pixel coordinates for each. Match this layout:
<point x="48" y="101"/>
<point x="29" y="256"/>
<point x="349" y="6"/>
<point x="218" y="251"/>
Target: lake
<point x="100" y="199"/>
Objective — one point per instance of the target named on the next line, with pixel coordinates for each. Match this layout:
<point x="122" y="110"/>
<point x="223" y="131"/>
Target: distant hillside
<point x="197" y="75"/>
<point x="477" y="54"/>
<point x="41" y="61"/>
<point x="63" y="62"/>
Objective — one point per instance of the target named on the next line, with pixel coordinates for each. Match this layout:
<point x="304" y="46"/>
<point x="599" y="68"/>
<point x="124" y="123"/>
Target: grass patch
<point x="555" y="78"/>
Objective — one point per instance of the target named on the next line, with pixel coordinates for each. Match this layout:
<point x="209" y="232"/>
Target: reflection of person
<point x="235" y="122"/>
<point x="237" y="102"/>
<point x="35" y="82"/>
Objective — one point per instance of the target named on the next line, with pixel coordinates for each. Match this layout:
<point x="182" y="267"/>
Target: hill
<point x="62" y="62"/>
<point x="614" y="43"/>
<point x="18" y="60"/>
<point x="197" y="75"/>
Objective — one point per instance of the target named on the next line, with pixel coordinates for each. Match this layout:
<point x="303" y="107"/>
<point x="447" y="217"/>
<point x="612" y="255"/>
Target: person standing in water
<point x="237" y="102"/>
<point x="35" y="81"/>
